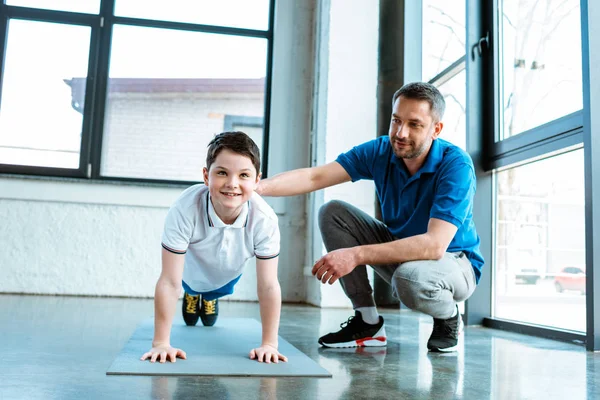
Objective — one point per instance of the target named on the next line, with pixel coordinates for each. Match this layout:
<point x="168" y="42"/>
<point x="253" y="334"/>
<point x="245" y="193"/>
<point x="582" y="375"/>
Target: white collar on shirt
<point x="215" y="221"/>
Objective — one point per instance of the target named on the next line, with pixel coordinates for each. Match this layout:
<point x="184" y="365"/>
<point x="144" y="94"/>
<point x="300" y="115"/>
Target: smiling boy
<point x="210" y="232"/>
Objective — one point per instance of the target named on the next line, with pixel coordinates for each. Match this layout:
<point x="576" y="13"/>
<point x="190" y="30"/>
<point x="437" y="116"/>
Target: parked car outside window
<point x="570" y="278"/>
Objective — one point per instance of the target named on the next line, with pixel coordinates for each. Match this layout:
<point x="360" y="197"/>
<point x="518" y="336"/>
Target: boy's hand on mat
<point x="163" y="353"/>
<point x="267" y="353"/>
<point x="335" y="264"/>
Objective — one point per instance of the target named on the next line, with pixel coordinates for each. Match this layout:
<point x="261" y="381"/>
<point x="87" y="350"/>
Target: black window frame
<point x="97" y="81"/>
<point x="563" y="134"/>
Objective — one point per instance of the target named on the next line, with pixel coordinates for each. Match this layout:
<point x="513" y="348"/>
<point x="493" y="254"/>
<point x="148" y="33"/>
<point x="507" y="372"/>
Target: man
<point x="426" y="248"/>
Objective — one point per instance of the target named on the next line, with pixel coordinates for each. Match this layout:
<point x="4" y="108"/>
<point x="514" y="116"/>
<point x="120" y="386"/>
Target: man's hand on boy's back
<point x="163" y="353"/>
<point x="267" y="353"/>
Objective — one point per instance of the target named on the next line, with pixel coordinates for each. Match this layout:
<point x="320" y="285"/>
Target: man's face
<point x="412" y="128"/>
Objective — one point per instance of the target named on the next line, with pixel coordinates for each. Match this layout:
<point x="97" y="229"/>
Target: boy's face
<point x="231" y="181"/>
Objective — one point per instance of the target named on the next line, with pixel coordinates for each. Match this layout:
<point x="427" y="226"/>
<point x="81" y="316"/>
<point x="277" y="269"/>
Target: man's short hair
<point x="424" y="91"/>
<point x="237" y="142"/>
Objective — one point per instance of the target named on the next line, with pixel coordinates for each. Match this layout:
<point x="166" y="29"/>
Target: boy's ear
<point x="205" y="174"/>
<point x="258" y="177"/>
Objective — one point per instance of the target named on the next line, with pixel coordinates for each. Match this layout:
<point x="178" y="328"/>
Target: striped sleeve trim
<point x="266" y="257"/>
<point x="173" y="250"/>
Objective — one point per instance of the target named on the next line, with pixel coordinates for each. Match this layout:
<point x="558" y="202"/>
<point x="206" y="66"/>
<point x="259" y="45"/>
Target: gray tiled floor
<point x="61" y="347"/>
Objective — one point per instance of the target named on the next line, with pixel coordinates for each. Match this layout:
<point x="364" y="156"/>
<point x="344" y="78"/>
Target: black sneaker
<point x="190" y="309"/>
<point x="209" y="312"/>
<point x="356" y="333"/>
<point x="445" y="333"/>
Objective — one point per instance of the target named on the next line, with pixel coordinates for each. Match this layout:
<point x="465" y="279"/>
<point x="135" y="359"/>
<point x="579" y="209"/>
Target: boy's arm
<point x="166" y="295"/>
<point x="303" y="180"/>
<point x="269" y="298"/>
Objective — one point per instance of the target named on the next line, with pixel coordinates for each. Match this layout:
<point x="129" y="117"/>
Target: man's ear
<point x="205" y="174"/>
<point x="437" y="129"/>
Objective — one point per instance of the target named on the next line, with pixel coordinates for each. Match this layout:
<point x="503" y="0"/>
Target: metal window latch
<point x="481" y="43"/>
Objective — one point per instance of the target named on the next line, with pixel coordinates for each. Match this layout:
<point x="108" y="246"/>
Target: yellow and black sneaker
<point x="190" y="309"/>
<point x="209" y="312"/>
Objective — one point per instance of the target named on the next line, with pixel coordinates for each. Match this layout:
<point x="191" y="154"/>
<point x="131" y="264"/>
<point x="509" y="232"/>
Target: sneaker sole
<point x="461" y="327"/>
<point x="379" y="340"/>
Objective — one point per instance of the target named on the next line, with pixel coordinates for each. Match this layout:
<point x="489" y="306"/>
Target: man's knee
<point x="329" y="210"/>
<point x="411" y="285"/>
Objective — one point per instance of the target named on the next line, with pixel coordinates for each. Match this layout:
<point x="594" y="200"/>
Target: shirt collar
<point x="434" y="158"/>
<point x="215" y="221"/>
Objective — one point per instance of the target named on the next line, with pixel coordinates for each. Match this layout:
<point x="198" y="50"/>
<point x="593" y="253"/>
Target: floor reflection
<point x="61" y="347"/>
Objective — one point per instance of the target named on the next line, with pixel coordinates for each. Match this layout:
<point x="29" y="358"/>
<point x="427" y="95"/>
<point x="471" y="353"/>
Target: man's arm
<point x="166" y="294"/>
<point x="303" y="180"/>
<point x="269" y="298"/>
<point x="431" y="245"/>
<point x="428" y="246"/>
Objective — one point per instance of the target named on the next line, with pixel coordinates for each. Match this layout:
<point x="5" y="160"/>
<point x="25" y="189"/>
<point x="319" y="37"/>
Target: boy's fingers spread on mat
<point x="163" y="356"/>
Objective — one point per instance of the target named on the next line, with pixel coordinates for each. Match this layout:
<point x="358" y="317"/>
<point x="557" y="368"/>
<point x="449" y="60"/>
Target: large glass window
<point x="250" y="14"/>
<point x="40" y="124"/>
<point x="83" y="6"/>
<point x="454" y="92"/>
<point x="540" y="243"/>
<point x="540" y="52"/>
<point x="443" y="35"/>
<point x="163" y="80"/>
<point x="443" y="62"/>
<point x="164" y="105"/>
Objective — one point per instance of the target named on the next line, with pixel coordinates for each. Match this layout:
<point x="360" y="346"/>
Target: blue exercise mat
<point x="220" y="350"/>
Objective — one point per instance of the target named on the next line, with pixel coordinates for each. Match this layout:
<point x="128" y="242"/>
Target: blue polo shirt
<point x="442" y="188"/>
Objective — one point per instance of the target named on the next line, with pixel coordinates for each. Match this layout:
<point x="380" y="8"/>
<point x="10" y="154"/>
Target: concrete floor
<point x="61" y="347"/>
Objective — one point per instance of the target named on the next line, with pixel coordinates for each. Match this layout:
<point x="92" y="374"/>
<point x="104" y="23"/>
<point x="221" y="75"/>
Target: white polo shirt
<point x="215" y="253"/>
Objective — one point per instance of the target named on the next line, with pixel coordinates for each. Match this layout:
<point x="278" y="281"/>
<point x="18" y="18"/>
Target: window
<point x="540" y="203"/>
<point x="132" y="90"/>
<point x="40" y="125"/>
<point x="164" y="105"/>
<point x="443" y="62"/>
<point x="443" y="35"/>
<point x="454" y="92"/>
<point x="540" y="243"/>
<point x="540" y="62"/>
<point x="250" y="14"/>
<point x="82" y="6"/>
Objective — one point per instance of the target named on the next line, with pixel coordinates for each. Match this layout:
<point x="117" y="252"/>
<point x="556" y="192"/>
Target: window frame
<point x="533" y="143"/>
<point x="58" y="17"/>
<point x="568" y="132"/>
<point x="97" y="81"/>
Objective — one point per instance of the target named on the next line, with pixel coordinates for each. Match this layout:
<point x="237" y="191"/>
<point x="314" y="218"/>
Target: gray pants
<point x="430" y="286"/>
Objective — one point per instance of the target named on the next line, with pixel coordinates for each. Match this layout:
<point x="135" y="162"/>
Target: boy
<point x="210" y="232"/>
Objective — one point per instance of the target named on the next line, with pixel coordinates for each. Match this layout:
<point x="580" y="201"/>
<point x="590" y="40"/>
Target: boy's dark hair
<point x="424" y="91"/>
<point x="237" y="142"/>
